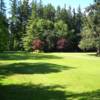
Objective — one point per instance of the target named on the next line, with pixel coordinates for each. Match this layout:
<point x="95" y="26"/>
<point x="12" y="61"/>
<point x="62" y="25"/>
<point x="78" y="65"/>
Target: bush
<point x="61" y="44"/>
<point x="37" y="44"/>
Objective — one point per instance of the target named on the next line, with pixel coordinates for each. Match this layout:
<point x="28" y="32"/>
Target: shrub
<point x="61" y="44"/>
<point x="37" y="44"/>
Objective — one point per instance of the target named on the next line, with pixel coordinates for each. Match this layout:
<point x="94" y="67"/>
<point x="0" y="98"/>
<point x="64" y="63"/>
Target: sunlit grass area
<point x="49" y="76"/>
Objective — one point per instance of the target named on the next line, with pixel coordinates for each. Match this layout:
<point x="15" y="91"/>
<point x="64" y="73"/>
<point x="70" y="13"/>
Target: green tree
<point x="97" y="26"/>
<point x="18" y="21"/>
<point x="30" y="28"/>
<point x="62" y="14"/>
<point x="92" y="35"/>
<point x="49" y="12"/>
<point x="88" y="37"/>
<point x="24" y="13"/>
<point x="76" y="28"/>
<point x="38" y="29"/>
<point x="61" y="29"/>
<point x="4" y="34"/>
<point x="40" y="9"/>
<point x="13" y="26"/>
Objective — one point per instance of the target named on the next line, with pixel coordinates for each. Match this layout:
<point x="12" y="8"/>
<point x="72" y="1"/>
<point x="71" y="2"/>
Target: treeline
<point x="34" y="26"/>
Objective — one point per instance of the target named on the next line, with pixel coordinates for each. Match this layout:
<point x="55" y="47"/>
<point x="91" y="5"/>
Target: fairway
<point x="49" y="76"/>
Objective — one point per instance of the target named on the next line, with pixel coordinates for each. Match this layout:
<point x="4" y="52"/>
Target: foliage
<point x="37" y="44"/>
<point x="4" y="34"/>
<point x="62" y="44"/>
<point x="49" y="12"/>
<point x="91" y="29"/>
<point x="30" y="20"/>
<point x="47" y="24"/>
<point x="61" y="29"/>
<point x="88" y="39"/>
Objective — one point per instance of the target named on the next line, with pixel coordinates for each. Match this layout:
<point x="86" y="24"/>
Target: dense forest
<point x="34" y="26"/>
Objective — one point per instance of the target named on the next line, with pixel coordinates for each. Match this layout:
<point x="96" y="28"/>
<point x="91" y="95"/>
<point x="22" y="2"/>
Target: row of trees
<point x="34" y="26"/>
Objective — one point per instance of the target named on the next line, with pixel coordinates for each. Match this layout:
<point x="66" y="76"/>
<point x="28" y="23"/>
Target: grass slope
<point x="51" y="76"/>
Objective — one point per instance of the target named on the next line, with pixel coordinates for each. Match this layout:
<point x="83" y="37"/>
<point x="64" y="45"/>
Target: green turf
<point x="50" y="76"/>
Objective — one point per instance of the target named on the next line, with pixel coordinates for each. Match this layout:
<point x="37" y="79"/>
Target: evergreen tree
<point x="40" y="9"/>
<point x="24" y="13"/>
<point x="30" y="28"/>
<point x="61" y="29"/>
<point x="4" y="34"/>
<point x="13" y="26"/>
<point x="75" y="35"/>
<point x="62" y="14"/>
<point x="49" y="12"/>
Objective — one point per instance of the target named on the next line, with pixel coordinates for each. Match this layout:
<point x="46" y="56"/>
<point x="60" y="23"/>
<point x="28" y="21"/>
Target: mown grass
<point x="49" y="76"/>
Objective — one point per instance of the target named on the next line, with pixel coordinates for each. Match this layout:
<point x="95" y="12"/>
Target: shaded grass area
<point x="26" y="56"/>
<point x="31" y="92"/>
<point x="31" y="68"/>
<point x="39" y="92"/>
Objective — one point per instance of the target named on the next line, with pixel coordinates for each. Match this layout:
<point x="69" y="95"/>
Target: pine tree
<point x="49" y="12"/>
<point x="40" y="9"/>
<point x="23" y="16"/>
<point x="13" y="26"/>
<point x="4" y="34"/>
<point x="30" y="28"/>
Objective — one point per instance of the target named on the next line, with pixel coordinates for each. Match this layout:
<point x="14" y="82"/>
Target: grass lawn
<point x="50" y="76"/>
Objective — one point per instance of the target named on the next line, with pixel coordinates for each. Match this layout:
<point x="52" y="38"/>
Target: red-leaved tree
<point x="37" y="44"/>
<point x="61" y="44"/>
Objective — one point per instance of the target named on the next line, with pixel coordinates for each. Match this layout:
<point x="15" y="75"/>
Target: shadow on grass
<point x="25" y="56"/>
<point x="39" y="92"/>
<point x="31" y="68"/>
<point x="95" y="55"/>
<point x="94" y="95"/>
<point x="31" y="92"/>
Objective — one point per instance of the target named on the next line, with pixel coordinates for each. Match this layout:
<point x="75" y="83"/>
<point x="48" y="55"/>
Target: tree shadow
<point x="95" y="55"/>
<point x="40" y="92"/>
<point x="26" y="55"/>
<point x="31" y="92"/>
<point x="31" y="68"/>
<point x="94" y="95"/>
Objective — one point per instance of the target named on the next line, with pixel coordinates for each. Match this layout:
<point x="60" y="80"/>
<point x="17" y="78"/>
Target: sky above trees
<point x="72" y="3"/>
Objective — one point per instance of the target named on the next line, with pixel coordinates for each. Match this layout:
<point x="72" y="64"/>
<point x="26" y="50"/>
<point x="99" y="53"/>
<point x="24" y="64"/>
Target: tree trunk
<point x="98" y="51"/>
